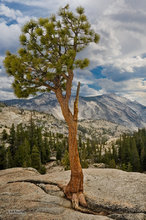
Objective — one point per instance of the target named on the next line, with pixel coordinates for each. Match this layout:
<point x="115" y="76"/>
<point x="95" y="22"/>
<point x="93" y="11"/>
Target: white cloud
<point x="11" y="13"/>
<point x="134" y="89"/>
<point x="23" y="19"/>
<point x="85" y="90"/>
<point x="119" y="39"/>
<point x="6" y="83"/>
<point x="4" y="95"/>
<point x="129" y="63"/>
<point x="121" y="25"/>
<point x="83" y="76"/>
<point x="6" y="88"/>
<point x="9" y="37"/>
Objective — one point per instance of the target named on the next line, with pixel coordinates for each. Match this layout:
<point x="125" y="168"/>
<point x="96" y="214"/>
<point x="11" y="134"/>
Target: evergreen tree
<point x="12" y="139"/>
<point x="98" y="155"/>
<point x="35" y="158"/>
<point x="124" y="167"/>
<point x="65" y="161"/>
<point x="19" y="156"/>
<point x="4" y="135"/>
<point x="38" y="137"/>
<point x="135" y="161"/>
<point x="132" y="151"/>
<point x="46" y="62"/>
<point x="112" y="163"/>
<point x="31" y="133"/>
<point x="59" y="152"/>
<point x="129" y="167"/>
<point x="47" y="149"/>
<point x="2" y="157"/>
<point x="27" y="155"/>
<point x="88" y="148"/>
<point x="19" y="135"/>
<point x="114" y="154"/>
<point x="10" y="161"/>
<point x="143" y="158"/>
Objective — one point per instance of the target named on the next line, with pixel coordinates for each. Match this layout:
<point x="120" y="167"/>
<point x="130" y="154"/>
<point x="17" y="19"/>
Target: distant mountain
<point x="109" y="107"/>
<point x="100" y="130"/>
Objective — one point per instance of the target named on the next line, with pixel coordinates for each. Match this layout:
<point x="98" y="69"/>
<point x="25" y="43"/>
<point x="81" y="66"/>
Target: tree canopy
<point x="48" y="52"/>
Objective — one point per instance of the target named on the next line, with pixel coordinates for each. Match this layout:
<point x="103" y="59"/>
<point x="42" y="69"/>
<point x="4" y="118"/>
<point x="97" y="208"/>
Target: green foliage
<point x="9" y="158"/>
<point x="65" y="161"/>
<point x="22" y="155"/>
<point x="49" y="51"/>
<point x="2" y="157"/>
<point x="4" y="135"/>
<point x="30" y="146"/>
<point x="42" y="170"/>
<point x="22" y="140"/>
<point x="12" y="139"/>
<point x="132" y="151"/>
<point x="129" y="167"/>
<point x="58" y="153"/>
<point x="35" y="158"/>
<point x="112" y="163"/>
<point x="27" y="154"/>
<point x="84" y="164"/>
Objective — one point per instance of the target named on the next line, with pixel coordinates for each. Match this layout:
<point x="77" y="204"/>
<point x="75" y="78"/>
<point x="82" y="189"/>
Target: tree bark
<point x="75" y="184"/>
<point x="74" y="189"/>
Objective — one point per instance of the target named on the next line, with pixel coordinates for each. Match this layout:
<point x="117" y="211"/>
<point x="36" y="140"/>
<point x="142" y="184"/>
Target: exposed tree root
<point x="77" y="199"/>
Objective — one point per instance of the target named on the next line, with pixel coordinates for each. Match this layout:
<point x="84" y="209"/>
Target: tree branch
<point x="76" y="103"/>
<point x="49" y="87"/>
<point x="64" y="75"/>
<point x="69" y="85"/>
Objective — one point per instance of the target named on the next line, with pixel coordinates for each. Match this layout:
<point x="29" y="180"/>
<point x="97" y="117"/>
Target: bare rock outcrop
<point x="110" y="193"/>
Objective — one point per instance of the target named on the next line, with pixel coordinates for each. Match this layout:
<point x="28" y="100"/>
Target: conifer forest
<point x="30" y="146"/>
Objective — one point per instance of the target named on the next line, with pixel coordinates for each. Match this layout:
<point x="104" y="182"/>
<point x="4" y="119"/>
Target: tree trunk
<point x="75" y="184"/>
<point x="74" y="189"/>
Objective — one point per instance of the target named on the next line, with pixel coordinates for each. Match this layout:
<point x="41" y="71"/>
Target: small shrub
<point x="42" y="170"/>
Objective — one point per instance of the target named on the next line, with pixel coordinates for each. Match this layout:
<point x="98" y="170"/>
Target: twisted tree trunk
<point x="74" y="189"/>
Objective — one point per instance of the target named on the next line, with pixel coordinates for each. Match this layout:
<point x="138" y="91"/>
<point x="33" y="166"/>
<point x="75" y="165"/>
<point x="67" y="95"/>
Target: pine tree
<point x="10" y="161"/>
<point x="35" y="158"/>
<point x="2" y="157"/>
<point x="4" y="135"/>
<point x="143" y="158"/>
<point x="31" y="133"/>
<point x="46" y="62"/>
<point x="12" y="140"/>
<point x="98" y="155"/>
<point x="19" y="135"/>
<point x="112" y="163"/>
<point x="27" y="155"/>
<point x="59" y="152"/>
<point x="135" y="160"/>
<point x="129" y="167"/>
<point x="19" y="156"/>
<point x="88" y="148"/>
<point x="65" y="161"/>
<point x="47" y="149"/>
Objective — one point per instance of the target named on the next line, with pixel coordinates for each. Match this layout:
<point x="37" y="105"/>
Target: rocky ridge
<point x="109" y="107"/>
<point x="88" y="128"/>
<point x="110" y="194"/>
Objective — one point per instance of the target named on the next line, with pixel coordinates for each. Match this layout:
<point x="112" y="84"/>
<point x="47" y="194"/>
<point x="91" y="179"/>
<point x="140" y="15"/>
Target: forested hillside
<point x="31" y="146"/>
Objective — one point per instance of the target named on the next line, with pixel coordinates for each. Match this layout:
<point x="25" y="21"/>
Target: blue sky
<point x="117" y="63"/>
